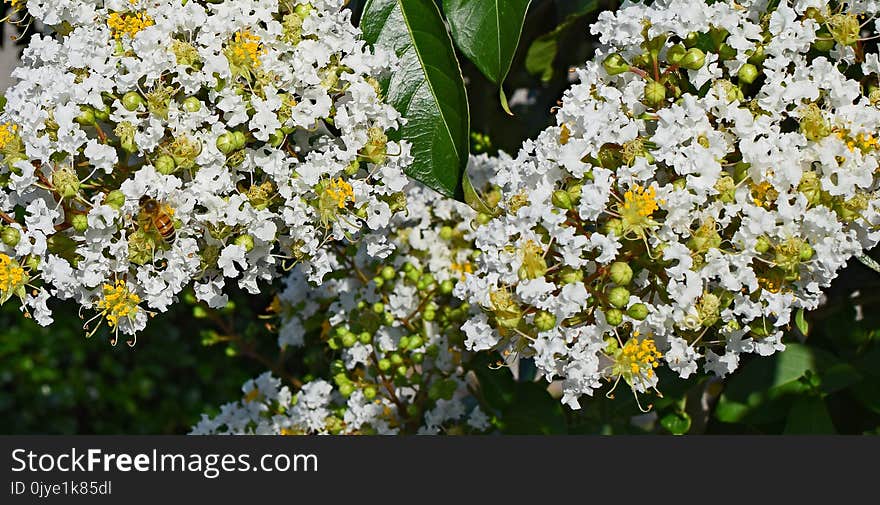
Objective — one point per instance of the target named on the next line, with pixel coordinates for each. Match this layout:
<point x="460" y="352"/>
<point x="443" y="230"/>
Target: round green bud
<point x="303" y="10"/>
<point x="806" y="252"/>
<point x="387" y="319"/>
<point x="239" y="138"/>
<point x="561" y="199"/>
<point x="675" y="54"/>
<point x="401" y="370"/>
<point x="350" y="170"/>
<point x="80" y="222"/>
<point x="370" y="392"/>
<point x="277" y="138"/>
<point x="415" y="342"/>
<point x="618" y="296"/>
<point x="11" y="236"/>
<point x="86" y="116"/>
<point x="545" y="321"/>
<point x="614" y="316"/>
<point x="569" y="275"/>
<point x="378" y="281"/>
<point x="408" y="267"/>
<point x="417" y="357"/>
<point x="403" y="342"/>
<point x="483" y="218"/>
<point x="365" y="337"/>
<point x="349" y="339"/>
<point x="621" y="273"/>
<point x="192" y="104"/>
<point x="388" y="273"/>
<point x="245" y="241"/>
<point x="615" y="64"/>
<point x="346" y="389"/>
<point x="655" y="93"/>
<point x="747" y="73"/>
<point x="226" y="143"/>
<point x="337" y="367"/>
<point x="614" y="226"/>
<point x="384" y="364"/>
<point x="694" y="59"/>
<point x="115" y="199"/>
<point x="638" y="311"/>
<point x="396" y="358"/>
<point x="757" y="55"/>
<point x="446" y="233"/>
<point x="378" y="307"/>
<point x="429" y="315"/>
<point x="824" y="42"/>
<point x="447" y="286"/>
<point x="165" y="165"/>
<point x="132" y="101"/>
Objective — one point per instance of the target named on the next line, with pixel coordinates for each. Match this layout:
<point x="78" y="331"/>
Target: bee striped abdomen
<point x="165" y="226"/>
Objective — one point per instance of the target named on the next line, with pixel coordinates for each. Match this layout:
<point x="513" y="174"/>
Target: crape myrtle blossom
<point x="713" y="169"/>
<point x="383" y="339"/>
<point x="152" y="145"/>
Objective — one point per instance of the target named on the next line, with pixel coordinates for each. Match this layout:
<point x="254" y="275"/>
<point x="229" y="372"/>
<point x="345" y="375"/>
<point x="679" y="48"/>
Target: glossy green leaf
<point x="543" y="50"/>
<point x="487" y="32"/>
<point x="809" y="415"/>
<point x="801" y="322"/>
<point x="427" y="89"/>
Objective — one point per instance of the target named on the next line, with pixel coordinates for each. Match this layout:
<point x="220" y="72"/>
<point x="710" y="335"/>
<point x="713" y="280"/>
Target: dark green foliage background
<point x="54" y="380"/>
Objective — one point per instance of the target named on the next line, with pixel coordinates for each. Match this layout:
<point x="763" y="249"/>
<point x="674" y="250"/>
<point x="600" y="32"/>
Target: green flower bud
<point x="447" y="286"/>
<point x="401" y="370"/>
<point x="80" y="222"/>
<point x="370" y="392"/>
<point x="387" y="319"/>
<point x="429" y="315"/>
<point x="10" y="236"/>
<point x="346" y="390"/>
<point x="446" y="233"/>
<point x="483" y="218"/>
<point x="614" y="316"/>
<point x="86" y="116"/>
<point x="415" y="342"/>
<point x="396" y="358"/>
<point x="337" y="367"/>
<point x="192" y="104"/>
<point x="618" y="296"/>
<point x="694" y="59"/>
<point x="115" y="199"/>
<point x="675" y="54"/>
<point x="245" y="241"/>
<point x="165" y="165"/>
<point x="352" y="169"/>
<point x="757" y="56"/>
<point x="574" y="192"/>
<point x="277" y="138"/>
<point x="379" y="282"/>
<point x="638" y="311"/>
<point x="615" y="64"/>
<point x="226" y="143"/>
<point x="132" y="101"/>
<point x="349" y="339"/>
<point x="66" y="182"/>
<point x="384" y="364"/>
<point x="655" y="93"/>
<point x="747" y="73"/>
<point x="239" y="139"/>
<point x="388" y="273"/>
<point x="417" y="357"/>
<point x="806" y="252"/>
<point x="762" y="245"/>
<point x="365" y="337"/>
<point x="621" y="273"/>
<point x="378" y="307"/>
<point x="545" y="321"/>
<point x="614" y="226"/>
<point x="561" y="199"/>
<point x="403" y="343"/>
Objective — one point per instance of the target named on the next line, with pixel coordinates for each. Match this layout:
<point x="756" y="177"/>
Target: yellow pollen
<point x="118" y="302"/>
<point x="340" y="192"/>
<point x="642" y="200"/>
<point x="128" y="23"/>
<point x="8" y="133"/>
<point x="252" y="395"/>
<point x="12" y="276"/>
<point x="246" y="49"/>
<point x="639" y="356"/>
<point x="462" y="269"/>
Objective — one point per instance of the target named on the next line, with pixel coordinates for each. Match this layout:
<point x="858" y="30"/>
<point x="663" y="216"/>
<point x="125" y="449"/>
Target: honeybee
<point x="159" y="216"/>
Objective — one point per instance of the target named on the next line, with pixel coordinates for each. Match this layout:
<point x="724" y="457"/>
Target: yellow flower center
<point x="462" y="268"/>
<point x="118" y="302"/>
<point x="764" y="194"/>
<point x="245" y="49"/>
<point x="635" y="358"/>
<point x="340" y="192"/>
<point x="640" y="201"/>
<point x="8" y="134"/>
<point x="128" y="23"/>
<point x="12" y="276"/>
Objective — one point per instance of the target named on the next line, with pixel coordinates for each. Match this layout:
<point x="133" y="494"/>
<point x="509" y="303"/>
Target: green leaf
<point x="428" y="89"/>
<point x="487" y="32"/>
<point x="677" y="423"/>
<point x="801" y="322"/>
<point x="809" y="415"/>
<point x="473" y="198"/>
<point x="542" y="52"/>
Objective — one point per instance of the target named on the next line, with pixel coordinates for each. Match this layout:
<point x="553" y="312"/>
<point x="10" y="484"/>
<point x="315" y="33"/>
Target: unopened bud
<point x="694" y="59"/>
<point x="615" y="64"/>
<point x="245" y="241"/>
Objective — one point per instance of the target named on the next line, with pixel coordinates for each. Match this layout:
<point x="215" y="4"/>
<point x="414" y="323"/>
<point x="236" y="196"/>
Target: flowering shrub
<point x="713" y="169"/>
<point x="384" y="338"/>
<point x="150" y="145"/>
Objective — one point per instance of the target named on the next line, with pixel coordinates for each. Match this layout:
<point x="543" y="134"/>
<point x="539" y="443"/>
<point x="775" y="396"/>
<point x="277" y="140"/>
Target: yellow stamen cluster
<point x="340" y="192"/>
<point x="863" y="143"/>
<point x="128" y="23"/>
<point x="462" y="268"/>
<point x="245" y="49"/>
<point x="638" y="356"/>
<point x="642" y="201"/>
<point x="12" y="276"/>
<point x="764" y="194"/>
<point x="118" y="302"/>
<point x="8" y="134"/>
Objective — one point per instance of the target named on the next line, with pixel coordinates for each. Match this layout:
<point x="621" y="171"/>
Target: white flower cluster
<point x="149" y="145"/>
<point x="713" y="169"/>
<point x="382" y="339"/>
